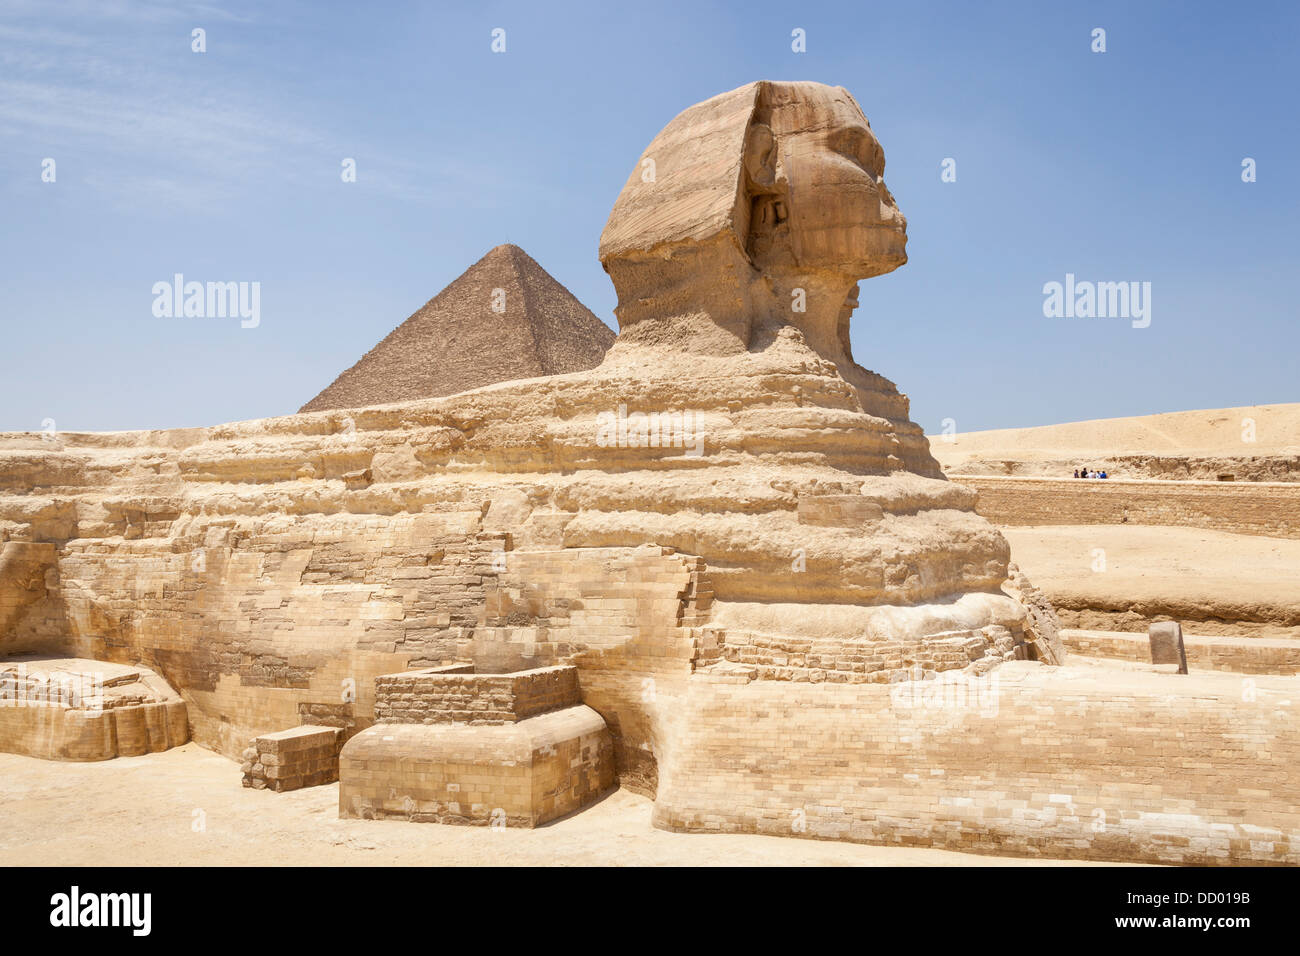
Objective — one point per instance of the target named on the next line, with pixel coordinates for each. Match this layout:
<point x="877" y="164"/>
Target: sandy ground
<point x="1237" y="575"/>
<point x="143" y="811"/>
<point x="1208" y="432"/>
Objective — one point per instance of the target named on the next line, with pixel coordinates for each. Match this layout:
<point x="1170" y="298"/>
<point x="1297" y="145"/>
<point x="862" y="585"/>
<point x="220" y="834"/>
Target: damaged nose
<point x="889" y="212"/>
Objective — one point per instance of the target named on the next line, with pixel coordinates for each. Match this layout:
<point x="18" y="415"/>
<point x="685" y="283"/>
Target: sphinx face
<point x="711" y="249"/>
<point x="842" y="218"/>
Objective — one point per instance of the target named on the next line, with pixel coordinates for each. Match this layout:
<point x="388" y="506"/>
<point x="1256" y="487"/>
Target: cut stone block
<point x="454" y="746"/>
<point x="293" y="758"/>
<point x="518" y="774"/>
<point x="1166" y="639"/>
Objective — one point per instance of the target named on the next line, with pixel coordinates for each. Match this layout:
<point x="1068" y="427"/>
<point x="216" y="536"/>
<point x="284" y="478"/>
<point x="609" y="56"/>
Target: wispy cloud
<point x="109" y="87"/>
<point x="121" y="11"/>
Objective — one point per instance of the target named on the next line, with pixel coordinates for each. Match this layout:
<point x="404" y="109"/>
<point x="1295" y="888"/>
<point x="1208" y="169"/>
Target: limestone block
<point x="1166" y="639"/>
<point x="293" y="758"/>
<point x="511" y="774"/>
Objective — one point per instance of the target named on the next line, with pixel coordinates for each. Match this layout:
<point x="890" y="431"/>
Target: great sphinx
<point x="737" y="261"/>
<point x="747" y="611"/>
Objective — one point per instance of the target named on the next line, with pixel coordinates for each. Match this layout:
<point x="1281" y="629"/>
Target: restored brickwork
<point x="23" y="569"/>
<point x="443" y="696"/>
<point x="1060" y="762"/>
<point x="516" y="774"/>
<point x="499" y="749"/>
<point x="868" y="662"/>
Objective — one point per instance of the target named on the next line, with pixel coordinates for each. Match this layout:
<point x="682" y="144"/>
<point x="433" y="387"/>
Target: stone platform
<point x="69" y="708"/>
<point x="453" y="746"/>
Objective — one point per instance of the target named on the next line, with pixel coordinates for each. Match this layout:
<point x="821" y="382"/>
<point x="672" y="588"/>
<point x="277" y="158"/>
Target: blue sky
<point x="224" y="166"/>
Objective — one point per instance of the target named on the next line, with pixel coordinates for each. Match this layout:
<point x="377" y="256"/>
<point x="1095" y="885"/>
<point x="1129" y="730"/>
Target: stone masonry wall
<point x="439" y="696"/>
<point x="1033" y="760"/>
<point x="633" y="617"/>
<point x="269" y="622"/>
<point x="866" y="662"/>
<point x="1262" y="508"/>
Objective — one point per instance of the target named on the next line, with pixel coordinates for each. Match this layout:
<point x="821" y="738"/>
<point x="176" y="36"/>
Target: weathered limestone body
<point x="731" y="529"/>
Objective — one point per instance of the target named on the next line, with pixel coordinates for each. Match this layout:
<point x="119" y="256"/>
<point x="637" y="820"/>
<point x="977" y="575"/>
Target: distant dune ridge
<point x="504" y="318"/>
<point x="1251" y="442"/>
<point x="1120" y="555"/>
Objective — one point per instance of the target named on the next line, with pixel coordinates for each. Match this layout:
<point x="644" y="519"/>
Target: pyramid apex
<point x="462" y="338"/>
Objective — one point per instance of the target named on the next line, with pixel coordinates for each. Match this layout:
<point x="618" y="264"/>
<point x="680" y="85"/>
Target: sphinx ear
<point x="760" y="155"/>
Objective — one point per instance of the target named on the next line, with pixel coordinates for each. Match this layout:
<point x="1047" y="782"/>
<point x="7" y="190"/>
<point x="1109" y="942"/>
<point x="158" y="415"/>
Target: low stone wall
<point x="1074" y="761"/>
<point x="1164" y="467"/>
<point x="443" y="695"/>
<point x="1262" y="508"/>
<point x="306" y="756"/>
<point x="1242" y="655"/>
<point x="1094" y="612"/>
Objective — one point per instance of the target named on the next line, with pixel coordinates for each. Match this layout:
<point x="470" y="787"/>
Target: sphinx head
<point x="742" y="203"/>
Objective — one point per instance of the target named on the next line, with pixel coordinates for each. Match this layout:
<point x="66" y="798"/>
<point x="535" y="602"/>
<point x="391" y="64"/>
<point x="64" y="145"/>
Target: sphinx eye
<point x="860" y="147"/>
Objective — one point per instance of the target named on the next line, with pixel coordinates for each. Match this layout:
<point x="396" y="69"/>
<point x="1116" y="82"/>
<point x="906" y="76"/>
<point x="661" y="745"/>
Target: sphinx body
<point x="743" y="590"/>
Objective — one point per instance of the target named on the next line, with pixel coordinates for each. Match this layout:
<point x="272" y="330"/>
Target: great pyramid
<point x="504" y="318"/>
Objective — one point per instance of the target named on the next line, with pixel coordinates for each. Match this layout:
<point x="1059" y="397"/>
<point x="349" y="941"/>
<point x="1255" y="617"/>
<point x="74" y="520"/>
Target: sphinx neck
<point x="814" y="304"/>
<point x="698" y="297"/>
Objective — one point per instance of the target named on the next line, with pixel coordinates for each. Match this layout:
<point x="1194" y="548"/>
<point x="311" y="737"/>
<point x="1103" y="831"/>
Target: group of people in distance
<point x="1085" y="472"/>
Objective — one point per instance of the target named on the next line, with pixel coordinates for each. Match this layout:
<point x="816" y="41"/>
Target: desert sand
<point x="1201" y="577"/>
<point x="146" y="808"/>
<point x="1149" y="549"/>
